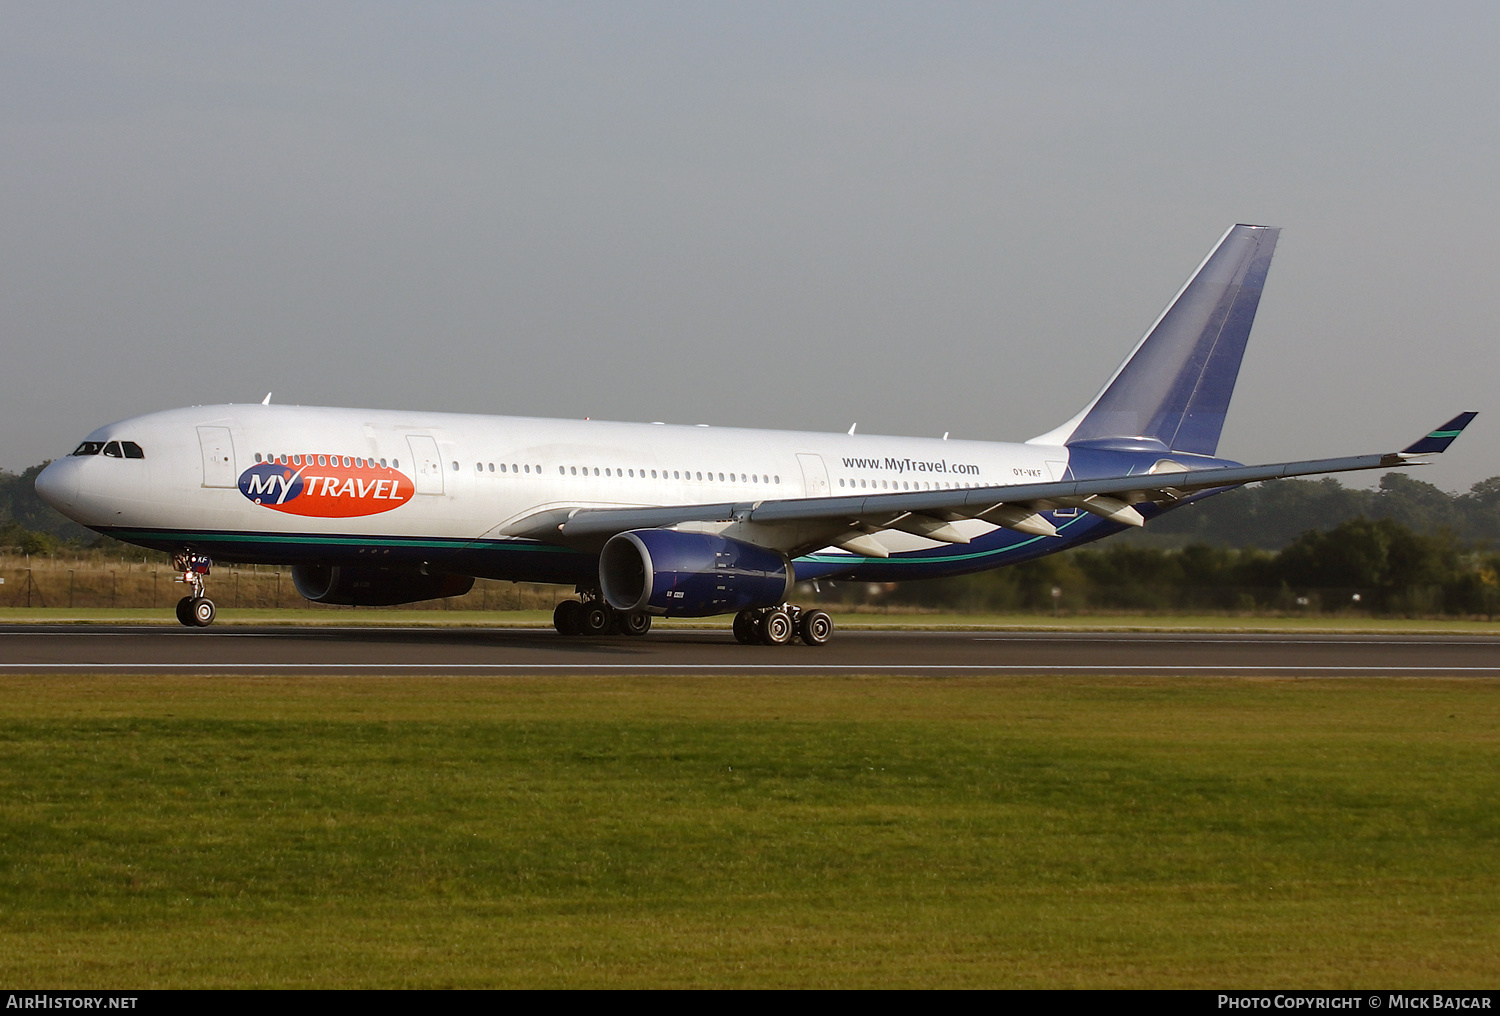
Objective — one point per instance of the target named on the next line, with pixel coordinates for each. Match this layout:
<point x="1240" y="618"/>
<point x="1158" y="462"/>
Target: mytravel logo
<point x="334" y="491"/>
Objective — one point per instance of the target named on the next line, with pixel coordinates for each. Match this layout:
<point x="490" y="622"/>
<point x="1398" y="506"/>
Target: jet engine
<point x="672" y="574"/>
<point x="374" y="587"/>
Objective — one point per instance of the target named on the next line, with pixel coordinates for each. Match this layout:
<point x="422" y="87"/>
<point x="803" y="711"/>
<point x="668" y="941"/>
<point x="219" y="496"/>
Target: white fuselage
<point x="475" y="477"/>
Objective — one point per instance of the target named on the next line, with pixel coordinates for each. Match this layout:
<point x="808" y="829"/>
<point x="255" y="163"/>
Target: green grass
<point x="163" y="831"/>
<point x="849" y="621"/>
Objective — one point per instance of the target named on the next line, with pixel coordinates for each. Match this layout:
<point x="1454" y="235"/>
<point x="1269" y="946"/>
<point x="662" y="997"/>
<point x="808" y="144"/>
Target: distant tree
<point x="1479" y="513"/>
<point x="20" y="504"/>
<point x="1266" y="515"/>
<point x="1379" y="556"/>
<point x="1271" y="515"/>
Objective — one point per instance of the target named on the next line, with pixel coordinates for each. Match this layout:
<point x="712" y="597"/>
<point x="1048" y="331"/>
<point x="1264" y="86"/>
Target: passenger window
<point x="382" y="463"/>
<point x="455" y="464"/>
<point x="257" y="456"/>
<point x="395" y="463"/>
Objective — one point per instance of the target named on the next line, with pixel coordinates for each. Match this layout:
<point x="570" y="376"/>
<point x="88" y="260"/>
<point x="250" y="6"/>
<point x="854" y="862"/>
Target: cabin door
<point x="427" y="465"/>
<point x="814" y="475"/>
<point x="218" y="456"/>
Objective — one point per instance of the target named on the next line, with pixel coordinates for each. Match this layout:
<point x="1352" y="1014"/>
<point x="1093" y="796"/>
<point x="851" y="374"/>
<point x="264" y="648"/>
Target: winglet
<point x="1440" y="439"/>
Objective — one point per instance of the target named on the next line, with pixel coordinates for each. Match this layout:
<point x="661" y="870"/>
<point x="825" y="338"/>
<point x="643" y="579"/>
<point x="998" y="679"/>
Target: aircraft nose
<point x="58" y="483"/>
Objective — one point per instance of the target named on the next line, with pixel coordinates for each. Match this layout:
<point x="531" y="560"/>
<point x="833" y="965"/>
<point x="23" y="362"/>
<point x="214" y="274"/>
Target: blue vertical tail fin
<point x="1173" y="391"/>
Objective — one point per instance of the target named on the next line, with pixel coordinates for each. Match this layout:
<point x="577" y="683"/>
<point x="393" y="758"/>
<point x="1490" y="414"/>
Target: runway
<point x="499" y="651"/>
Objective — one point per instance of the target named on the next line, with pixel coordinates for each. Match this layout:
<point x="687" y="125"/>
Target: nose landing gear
<point x="196" y="610"/>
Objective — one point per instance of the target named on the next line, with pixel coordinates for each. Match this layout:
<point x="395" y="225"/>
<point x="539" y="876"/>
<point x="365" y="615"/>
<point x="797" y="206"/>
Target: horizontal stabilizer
<point x="1440" y="439"/>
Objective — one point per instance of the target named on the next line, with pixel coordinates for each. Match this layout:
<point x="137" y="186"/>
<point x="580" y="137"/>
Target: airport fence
<point x="90" y="579"/>
<point x="62" y="581"/>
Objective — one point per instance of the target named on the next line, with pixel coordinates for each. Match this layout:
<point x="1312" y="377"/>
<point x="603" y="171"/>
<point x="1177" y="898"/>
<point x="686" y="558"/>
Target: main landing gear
<point x="776" y="626"/>
<point x="771" y="626"/>
<point x="197" y="610"/>
<point x="593" y="616"/>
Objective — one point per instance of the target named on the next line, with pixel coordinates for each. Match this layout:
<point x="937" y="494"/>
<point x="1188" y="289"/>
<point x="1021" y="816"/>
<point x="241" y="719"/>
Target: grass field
<point x="814" y="831"/>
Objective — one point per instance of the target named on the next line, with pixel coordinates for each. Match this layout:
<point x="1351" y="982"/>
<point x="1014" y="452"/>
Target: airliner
<point x="646" y="520"/>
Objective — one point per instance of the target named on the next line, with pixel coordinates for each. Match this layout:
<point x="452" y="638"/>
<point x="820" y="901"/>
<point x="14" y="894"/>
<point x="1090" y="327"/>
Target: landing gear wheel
<point x="185" y="611"/>
<point x="637" y="622"/>
<point x="595" y="619"/>
<point x="776" y="628"/>
<point x="744" y="628"/>
<point x="203" y="612"/>
<point x="567" y="617"/>
<point x="815" y="628"/>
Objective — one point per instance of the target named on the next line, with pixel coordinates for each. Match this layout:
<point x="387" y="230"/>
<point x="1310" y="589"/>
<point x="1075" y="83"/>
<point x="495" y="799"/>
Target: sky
<point x="921" y="217"/>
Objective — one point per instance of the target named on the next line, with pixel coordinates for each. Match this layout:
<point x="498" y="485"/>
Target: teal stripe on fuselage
<point x="326" y="540"/>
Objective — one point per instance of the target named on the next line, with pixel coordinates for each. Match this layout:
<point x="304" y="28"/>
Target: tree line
<point x="1359" y="565"/>
<point x="1406" y="547"/>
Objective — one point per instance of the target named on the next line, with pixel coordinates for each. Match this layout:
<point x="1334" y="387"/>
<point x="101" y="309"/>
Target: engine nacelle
<point x="374" y="587"/>
<point x="672" y="574"/>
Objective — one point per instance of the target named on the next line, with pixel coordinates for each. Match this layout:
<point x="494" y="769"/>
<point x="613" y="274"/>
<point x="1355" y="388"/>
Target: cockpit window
<point x="112" y="449"/>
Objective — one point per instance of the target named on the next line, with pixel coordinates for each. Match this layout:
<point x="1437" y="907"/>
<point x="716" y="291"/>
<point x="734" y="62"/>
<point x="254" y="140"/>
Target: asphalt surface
<point x="366" y="650"/>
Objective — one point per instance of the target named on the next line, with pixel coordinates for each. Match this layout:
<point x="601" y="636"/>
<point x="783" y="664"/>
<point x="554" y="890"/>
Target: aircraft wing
<point x="851" y="519"/>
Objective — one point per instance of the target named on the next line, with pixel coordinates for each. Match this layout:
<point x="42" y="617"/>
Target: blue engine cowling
<point x="672" y="574"/>
<point x="374" y="587"/>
